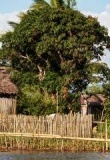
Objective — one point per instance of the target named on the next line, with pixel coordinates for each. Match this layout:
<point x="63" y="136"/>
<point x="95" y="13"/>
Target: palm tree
<point x="70" y="3"/>
<point x="38" y="4"/>
<point x="54" y="4"/>
<point x="14" y="24"/>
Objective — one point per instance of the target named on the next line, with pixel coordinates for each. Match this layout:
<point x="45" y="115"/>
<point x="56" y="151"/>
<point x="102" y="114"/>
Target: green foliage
<point x="52" y="82"/>
<point x="22" y="78"/>
<point x="106" y="87"/>
<point x="107" y="99"/>
<point x="50" y="49"/>
<point x="106" y="92"/>
<point x="58" y="4"/>
<point x="95" y="89"/>
<point x="32" y="102"/>
<point x="69" y="103"/>
<point x="107" y="109"/>
<point x="99" y="72"/>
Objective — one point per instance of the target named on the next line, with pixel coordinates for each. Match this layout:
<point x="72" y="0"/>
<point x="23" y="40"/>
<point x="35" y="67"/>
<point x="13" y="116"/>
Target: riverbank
<point x="48" y="144"/>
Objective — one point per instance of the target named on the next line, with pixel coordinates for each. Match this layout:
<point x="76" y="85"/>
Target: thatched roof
<point x="95" y="99"/>
<point x="6" y="86"/>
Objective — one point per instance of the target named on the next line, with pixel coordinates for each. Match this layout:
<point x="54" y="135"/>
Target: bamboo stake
<point x="106" y="136"/>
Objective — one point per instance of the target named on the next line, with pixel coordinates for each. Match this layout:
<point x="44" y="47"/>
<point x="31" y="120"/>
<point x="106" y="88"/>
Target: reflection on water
<point x="54" y="156"/>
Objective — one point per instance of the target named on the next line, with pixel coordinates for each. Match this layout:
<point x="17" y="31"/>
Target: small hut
<point x="8" y="93"/>
<point x="93" y="103"/>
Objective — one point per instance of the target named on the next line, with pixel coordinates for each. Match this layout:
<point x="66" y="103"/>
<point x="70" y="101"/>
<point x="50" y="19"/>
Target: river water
<point x="54" y="156"/>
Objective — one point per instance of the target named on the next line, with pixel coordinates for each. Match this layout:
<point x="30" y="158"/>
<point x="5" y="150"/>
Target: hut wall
<point x="7" y="105"/>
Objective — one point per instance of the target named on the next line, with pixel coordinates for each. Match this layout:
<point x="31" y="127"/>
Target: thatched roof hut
<point x="95" y="103"/>
<point x="8" y="92"/>
<point x="6" y="86"/>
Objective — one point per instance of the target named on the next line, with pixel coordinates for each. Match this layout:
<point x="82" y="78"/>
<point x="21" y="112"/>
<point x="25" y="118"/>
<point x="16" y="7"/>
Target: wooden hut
<point x="8" y="93"/>
<point x="93" y="103"/>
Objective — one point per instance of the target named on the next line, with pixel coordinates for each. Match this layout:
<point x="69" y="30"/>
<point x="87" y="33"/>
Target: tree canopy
<point x="54" y="50"/>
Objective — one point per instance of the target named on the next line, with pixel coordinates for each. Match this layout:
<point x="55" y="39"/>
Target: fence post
<point x="106" y="136"/>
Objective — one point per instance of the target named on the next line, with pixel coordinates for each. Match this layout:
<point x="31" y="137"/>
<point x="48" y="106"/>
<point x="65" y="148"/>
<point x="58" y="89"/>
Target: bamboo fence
<point x="63" y="125"/>
<point x="61" y="132"/>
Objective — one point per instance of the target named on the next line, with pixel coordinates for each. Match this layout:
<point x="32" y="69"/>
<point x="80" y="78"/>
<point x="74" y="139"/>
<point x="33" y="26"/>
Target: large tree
<point x="54" y="50"/>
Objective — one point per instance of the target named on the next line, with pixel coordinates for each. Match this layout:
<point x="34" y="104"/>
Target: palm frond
<point x="70" y="3"/>
<point x="38" y="4"/>
<point x="57" y="3"/>
<point x="12" y="24"/>
<point x="21" y="15"/>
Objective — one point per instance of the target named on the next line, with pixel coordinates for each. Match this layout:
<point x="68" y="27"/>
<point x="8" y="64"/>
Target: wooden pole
<point x="106" y="136"/>
<point x="57" y="102"/>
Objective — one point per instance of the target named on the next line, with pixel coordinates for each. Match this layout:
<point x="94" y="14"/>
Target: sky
<point x="97" y="8"/>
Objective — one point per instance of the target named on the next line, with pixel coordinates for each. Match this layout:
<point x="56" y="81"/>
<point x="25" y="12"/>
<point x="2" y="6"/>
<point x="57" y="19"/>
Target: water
<point x="54" y="156"/>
